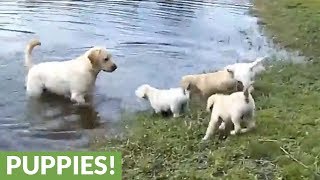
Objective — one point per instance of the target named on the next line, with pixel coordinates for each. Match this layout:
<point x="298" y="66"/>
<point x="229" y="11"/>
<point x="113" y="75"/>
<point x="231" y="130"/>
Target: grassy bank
<point x="285" y="144"/>
<point x="295" y="24"/>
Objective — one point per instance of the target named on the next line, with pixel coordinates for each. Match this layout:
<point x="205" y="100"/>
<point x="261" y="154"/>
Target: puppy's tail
<point x="257" y="61"/>
<point x="28" y="59"/>
<point x="210" y="103"/>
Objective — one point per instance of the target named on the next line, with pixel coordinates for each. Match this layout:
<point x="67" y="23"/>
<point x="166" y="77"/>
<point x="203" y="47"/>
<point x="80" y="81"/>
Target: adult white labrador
<point x="74" y="78"/>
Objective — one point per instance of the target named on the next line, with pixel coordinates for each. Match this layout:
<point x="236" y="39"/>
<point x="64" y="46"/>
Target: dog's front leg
<point x="237" y="125"/>
<point x="78" y="98"/>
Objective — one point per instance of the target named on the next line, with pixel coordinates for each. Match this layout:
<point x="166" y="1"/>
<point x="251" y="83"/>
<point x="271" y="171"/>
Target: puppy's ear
<point x="188" y="87"/>
<point x="240" y="86"/>
<point x="94" y="55"/>
<point x="231" y="73"/>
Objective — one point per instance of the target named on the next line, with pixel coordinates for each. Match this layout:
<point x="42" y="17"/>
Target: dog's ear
<point x="240" y="86"/>
<point x="231" y="73"/>
<point x="188" y="87"/>
<point x="185" y="90"/>
<point x="94" y="55"/>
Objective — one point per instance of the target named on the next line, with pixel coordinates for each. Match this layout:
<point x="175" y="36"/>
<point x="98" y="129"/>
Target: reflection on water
<point x="153" y="42"/>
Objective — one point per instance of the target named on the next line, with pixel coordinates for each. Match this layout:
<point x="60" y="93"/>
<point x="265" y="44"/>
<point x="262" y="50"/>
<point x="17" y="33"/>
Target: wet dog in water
<point x="74" y="78"/>
<point x="172" y="100"/>
<point x="236" y="108"/>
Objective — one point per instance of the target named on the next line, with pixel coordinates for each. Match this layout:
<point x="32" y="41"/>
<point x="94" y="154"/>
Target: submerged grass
<point x="285" y="144"/>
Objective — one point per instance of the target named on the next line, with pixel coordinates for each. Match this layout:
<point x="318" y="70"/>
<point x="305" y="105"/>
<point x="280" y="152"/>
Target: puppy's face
<point x="101" y="59"/>
<point x="141" y="92"/>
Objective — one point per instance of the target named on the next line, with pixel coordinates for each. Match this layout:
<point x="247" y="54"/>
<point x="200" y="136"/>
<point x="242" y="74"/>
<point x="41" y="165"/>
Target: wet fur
<point x="74" y="78"/>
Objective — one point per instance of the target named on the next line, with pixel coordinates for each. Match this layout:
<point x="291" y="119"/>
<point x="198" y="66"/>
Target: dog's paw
<point x="205" y="138"/>
<point x="176" y="115"/>
<point x="82" y="104"/>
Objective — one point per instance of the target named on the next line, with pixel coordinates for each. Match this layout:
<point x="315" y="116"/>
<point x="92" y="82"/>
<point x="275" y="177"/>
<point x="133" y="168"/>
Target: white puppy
<point x="163" y="100"/>
<point x="246" y="72"/>
<point x="74" y="78"/>
<point x="235" y="108"/>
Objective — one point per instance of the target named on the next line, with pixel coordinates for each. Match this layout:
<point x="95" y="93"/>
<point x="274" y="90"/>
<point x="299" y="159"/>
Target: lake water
<point x="155" y="42"/>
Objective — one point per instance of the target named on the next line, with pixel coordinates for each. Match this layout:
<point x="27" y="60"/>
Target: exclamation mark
<point x="112" y="165"/>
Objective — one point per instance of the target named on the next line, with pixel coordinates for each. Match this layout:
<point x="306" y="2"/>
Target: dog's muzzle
<point x="114" y="67"/>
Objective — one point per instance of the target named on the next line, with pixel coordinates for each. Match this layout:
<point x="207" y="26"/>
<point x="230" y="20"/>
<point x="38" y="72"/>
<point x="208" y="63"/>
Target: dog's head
<point x="142" y="91"/>
<point x="186" y="82"/>
<point x="101" y="59"/>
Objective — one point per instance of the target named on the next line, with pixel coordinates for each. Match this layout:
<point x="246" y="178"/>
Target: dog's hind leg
<point x="176" y="109"/>
<point x="213" y="126"/>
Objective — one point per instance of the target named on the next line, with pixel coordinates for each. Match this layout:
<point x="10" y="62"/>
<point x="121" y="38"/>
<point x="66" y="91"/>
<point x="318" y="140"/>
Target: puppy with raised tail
<point x="236" y="108"/>
<point x="74" y="78"/>
<point x="211" y="83"/>
<point x="163" y="100"/>
<point x="246" y="72"/>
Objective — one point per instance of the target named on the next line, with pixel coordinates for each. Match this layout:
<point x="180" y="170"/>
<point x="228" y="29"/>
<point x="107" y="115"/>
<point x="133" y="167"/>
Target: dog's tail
<point x="210" y="103"/>
<point x="28" y="59"/>
<point x="257" y="61"/>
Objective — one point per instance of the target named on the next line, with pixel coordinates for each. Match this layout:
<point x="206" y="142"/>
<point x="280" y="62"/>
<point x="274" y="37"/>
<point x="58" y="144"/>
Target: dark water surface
<point x="155" y="42"/>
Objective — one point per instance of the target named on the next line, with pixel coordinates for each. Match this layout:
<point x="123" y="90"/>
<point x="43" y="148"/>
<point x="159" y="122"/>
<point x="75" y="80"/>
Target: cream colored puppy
<point x="235" y="108"/>
<point x="211" y="83"/>
<point x="74" y="78"/>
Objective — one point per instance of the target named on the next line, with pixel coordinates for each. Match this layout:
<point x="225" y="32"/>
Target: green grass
<point x="293" y="23"/>
<point x="285" y="144"/>
<point x="288" y="117"/>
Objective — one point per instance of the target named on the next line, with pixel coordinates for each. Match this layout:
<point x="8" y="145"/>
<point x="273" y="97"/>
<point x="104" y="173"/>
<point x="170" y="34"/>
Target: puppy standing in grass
<point x="211" y="83"/>
<point x="163" y="100"/>
<point x="246" y="72"/>
<point x="74" y="78"/>
<point x="235" y="108"/>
